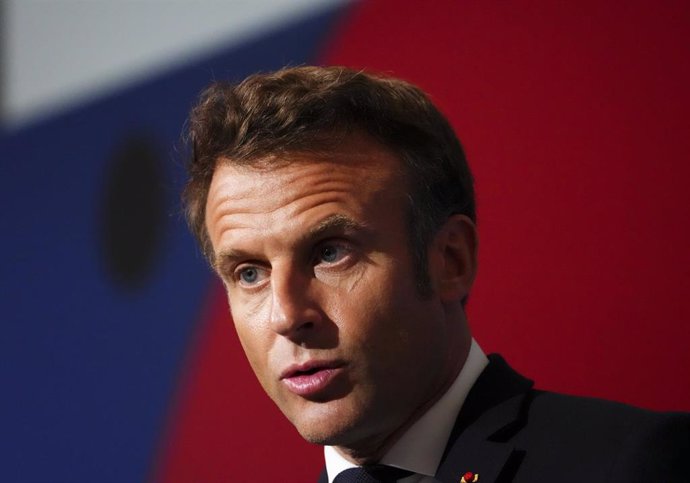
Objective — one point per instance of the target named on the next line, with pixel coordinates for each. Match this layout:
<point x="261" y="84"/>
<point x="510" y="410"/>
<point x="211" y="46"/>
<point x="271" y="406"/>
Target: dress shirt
<point x="421" y="447"/>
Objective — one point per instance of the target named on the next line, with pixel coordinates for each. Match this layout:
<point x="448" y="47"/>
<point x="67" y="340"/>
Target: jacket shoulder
<point x="621" y="442"/>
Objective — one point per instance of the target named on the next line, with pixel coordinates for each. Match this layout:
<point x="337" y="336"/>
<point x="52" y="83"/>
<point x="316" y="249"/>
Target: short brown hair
<point x="301" y="108"/>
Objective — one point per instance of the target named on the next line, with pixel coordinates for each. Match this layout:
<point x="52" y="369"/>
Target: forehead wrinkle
<point x="230" y="222"/>
<point x="233" y="205"/>
<point x="221" y="217"/>
<point x="300" y="205"/>
<point x="333" y="223"/>
<point x="229" y="252"/>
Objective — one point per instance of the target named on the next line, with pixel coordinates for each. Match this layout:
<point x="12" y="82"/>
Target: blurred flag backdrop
<point x="118" y="360"/>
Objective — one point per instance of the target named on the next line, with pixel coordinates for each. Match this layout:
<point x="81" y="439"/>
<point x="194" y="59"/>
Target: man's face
<point x="318" y="270"/>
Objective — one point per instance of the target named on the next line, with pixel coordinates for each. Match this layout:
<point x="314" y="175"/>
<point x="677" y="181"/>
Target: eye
<point x="249" y="275"/>
<point x="331" y="253"/>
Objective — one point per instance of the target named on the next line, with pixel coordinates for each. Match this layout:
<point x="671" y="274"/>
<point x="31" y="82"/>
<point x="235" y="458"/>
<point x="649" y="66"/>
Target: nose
<point x="294" y="308"/>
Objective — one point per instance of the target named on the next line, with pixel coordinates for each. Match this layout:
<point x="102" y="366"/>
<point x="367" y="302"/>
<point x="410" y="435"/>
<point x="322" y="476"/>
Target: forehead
<point x="357" y="166"/>
<point x="281" y="196"/>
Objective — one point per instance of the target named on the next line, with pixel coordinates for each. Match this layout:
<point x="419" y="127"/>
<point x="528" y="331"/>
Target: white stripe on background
<point x="59" y="53"/>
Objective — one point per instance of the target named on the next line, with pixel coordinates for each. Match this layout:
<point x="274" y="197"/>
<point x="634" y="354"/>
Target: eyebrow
<point x="333" y="223"/>
<point x="336" y="223"/>
<point x="226" y="257"/>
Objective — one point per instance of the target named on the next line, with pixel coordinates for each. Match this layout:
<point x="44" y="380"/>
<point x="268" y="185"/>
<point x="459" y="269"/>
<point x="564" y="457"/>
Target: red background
<point x="574" y="116"/>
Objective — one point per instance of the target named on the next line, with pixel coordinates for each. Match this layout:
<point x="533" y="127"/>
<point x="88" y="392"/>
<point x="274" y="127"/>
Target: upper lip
<point x="312" y="365"/>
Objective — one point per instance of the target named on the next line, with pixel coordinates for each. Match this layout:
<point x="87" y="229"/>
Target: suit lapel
<point x="495" y="409"/>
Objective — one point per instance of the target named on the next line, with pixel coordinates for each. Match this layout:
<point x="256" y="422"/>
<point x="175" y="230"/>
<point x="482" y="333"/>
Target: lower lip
<point x="311" y="384"/>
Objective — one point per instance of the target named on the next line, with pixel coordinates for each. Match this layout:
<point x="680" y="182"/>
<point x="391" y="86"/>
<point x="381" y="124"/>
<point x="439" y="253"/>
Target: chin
<point x="325" y="425"/>
<point x="325" y="434"/>
<point x="319" y="437"/>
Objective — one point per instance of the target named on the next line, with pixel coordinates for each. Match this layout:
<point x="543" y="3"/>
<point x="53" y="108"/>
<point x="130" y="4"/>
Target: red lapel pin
<point x="469" y="477"/>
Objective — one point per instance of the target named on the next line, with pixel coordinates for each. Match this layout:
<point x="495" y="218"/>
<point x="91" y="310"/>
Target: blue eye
<point x="249" y="275"/>
<point x="331" y="253"/>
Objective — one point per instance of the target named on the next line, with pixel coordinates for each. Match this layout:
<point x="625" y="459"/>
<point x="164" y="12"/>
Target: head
<point x="312" y="108"/>
<point x="337" y="208"/>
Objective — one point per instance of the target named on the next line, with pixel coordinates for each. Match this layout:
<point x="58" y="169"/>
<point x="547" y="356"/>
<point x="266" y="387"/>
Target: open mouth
<point x="307" y="372"/>
<point x="309" y="368"/>
<point x="311" y="379"/>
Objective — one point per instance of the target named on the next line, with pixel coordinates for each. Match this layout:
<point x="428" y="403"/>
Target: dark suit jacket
<point x="509" y="432"/>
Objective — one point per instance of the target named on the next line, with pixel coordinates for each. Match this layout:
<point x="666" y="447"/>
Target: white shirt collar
<point x="421" y="447"/>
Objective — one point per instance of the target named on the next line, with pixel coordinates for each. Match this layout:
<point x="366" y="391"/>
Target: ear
<point x="455" y="258"/>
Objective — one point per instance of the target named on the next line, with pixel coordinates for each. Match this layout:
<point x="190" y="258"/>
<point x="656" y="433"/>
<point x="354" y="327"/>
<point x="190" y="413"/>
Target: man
<point x="338" y="209"/>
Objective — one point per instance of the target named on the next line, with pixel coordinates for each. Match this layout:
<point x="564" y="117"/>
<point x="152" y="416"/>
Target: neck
<point x="374" y="449"/>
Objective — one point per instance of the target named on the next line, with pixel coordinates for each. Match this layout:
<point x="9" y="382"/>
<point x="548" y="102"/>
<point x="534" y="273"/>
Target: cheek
<point x="394" y="319"/>
<point x="254" y="342"/>
<point x="368" y="321"/>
